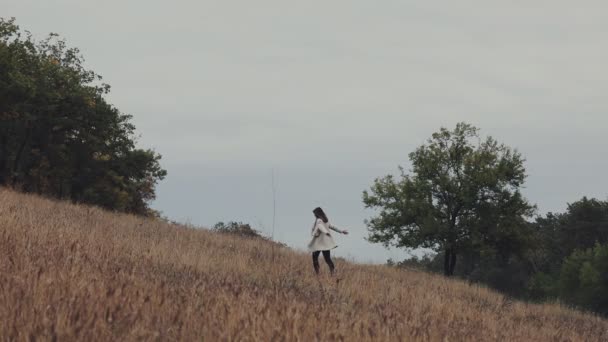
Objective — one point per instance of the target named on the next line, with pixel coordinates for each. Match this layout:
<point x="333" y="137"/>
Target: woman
<point x="322" y="240"/>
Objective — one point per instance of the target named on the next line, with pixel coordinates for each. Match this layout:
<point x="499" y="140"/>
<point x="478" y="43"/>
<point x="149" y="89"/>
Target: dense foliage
<point x="583" y="279"/>
<point x="58" y="135"/>
<point x="570" y="261"/>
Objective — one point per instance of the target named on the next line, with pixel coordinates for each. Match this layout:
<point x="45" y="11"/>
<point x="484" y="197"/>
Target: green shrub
<point x="244" y="230"/>
<point x="237" y="228"/>
<point x="541" y="286"/>
<point x="583" y="279"/>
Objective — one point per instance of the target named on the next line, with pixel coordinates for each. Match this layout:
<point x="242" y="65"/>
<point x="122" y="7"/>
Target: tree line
<point x="59" y="136"/>
<point x="462" y="199"/>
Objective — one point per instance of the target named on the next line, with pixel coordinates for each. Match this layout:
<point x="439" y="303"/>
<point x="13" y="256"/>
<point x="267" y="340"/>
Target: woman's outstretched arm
<point x="336" y="229"/>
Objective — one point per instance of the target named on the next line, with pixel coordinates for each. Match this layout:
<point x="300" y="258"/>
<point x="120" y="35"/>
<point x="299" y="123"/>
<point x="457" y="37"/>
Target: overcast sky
<point x="331" y="94"/>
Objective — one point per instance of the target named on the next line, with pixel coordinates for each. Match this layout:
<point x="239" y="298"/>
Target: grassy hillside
<point x="76" y="272"/>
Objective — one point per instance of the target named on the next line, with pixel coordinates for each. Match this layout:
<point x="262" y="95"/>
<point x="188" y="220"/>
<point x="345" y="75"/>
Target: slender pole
<point x="274" y="210"/>
<point x="274" y="204"/>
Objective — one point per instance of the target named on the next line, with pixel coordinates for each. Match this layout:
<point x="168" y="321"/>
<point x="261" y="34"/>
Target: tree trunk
<point x="3" y="158"/>
<point x="452" y="262"/>
<point x="449" y="262"/>
<point x="446" y="263"/>
<point x="16" y="167"/>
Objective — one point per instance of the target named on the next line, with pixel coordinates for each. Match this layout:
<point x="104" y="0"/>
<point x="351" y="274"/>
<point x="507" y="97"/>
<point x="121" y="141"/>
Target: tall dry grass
<point x="72" y="272"/>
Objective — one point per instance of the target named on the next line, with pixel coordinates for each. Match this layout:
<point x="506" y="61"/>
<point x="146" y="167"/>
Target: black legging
<point x="326" y="256"/>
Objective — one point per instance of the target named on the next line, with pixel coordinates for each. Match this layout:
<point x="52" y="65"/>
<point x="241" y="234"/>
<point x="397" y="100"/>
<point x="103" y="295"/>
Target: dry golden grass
<point x="79" y="273"/>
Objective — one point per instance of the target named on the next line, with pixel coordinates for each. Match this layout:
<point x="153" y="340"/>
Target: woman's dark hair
<point x="319" y="213"/>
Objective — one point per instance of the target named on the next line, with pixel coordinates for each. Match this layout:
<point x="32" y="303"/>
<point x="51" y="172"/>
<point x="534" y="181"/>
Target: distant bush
<point x="242" y="229"/>
<point x="427" y="262"/>
<point x="237" y="228"/>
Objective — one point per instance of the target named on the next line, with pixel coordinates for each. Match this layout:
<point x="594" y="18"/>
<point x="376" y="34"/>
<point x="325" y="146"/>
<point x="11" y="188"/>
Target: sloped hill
<point x="79" y="273"/>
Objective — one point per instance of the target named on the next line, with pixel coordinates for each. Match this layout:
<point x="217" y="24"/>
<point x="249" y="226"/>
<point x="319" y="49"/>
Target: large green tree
<point x="58" y="134"/>
<point x="461" y="196"/>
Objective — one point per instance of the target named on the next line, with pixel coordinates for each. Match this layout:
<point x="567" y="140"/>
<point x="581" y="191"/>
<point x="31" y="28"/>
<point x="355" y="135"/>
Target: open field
<point x="79" y="273"/>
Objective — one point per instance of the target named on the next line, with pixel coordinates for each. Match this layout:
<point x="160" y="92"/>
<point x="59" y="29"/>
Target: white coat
<point x="321" y="237"/>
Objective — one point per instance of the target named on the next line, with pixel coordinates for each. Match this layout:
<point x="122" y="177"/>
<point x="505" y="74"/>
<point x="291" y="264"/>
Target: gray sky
<point x="331" y="94"/>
